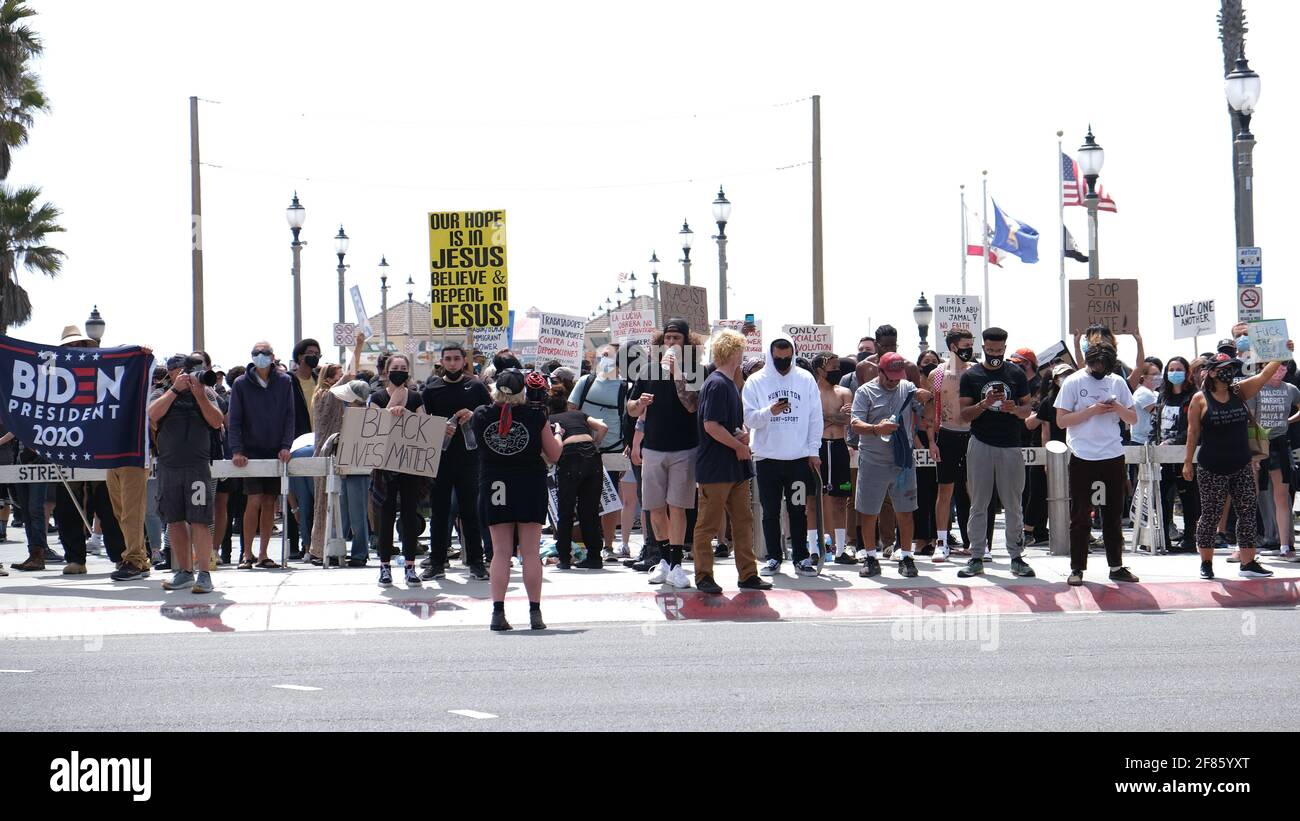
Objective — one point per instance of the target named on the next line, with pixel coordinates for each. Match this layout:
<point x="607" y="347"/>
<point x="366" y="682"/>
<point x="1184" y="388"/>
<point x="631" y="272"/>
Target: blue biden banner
<point x="79" y="407"/>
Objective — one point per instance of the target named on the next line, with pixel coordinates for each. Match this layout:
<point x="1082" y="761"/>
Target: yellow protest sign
<point x="467" y="262"/>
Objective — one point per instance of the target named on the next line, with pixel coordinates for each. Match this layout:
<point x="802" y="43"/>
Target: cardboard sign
<point x="690" y="302"/>
<point x="955" y="312"/>
<point x="634" y="325"/>
<point x="490" y="341"/>
<point x="1109" y="302"/>
<point x="753" y="339"/>
<point x="374" y="438"/>
<point x="1194" y="319"/>
<point x="467" y="265"/>
<point x="560" y="337"/>
<point x="362" y="320"/>
<point x="1268" y="338"/>
<point x="810" y="340"/>
<point x="345" y="334"/>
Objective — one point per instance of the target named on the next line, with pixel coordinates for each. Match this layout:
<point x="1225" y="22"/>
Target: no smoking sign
<point x="1250" y="303"/>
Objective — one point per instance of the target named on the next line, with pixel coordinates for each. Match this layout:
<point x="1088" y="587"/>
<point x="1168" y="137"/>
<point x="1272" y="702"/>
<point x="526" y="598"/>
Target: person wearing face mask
<point x="1275" y="410"/>
<point x="1170" y="428"/>
<point x="783" y="410"/>
<point x="261" y="427"/>
<point x="1218" y="420"/>
<point x="331" y="407"/>
<point x="305" y="372"/>
<point x="927" y="484"/>
<point x="328" y="408"/>
<point x="390" y="491"/>
<point x="1090" y="407"/>
<point x="951" y="441"/>
<point x="1095" y="334"/>
<point x="837" y="413"/>
<point x="995" y="402"/>
<point x="455" y="396"/>
<point x="603" y="394"/>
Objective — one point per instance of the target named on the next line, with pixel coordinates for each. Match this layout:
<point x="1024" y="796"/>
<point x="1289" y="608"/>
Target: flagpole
<point x="986" y="313"/>
<point x="964" y="246"/>
<point x="1060" y="207"/>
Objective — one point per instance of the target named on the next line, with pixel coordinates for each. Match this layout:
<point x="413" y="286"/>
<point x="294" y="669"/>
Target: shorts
<point x="667" y="478"/>
<point x="261" y="485"/>
<point x="952" y="455"/>
<point x="876" y="482"/>
<point x="1279" y="457"/>
<point x="509" y="497"/>
<point x="231" y="486"/>
<point x="836" y="481"/>
<point x="185" y="495"/>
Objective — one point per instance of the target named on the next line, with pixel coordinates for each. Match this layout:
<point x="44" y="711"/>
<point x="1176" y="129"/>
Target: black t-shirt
<point x="995" y="428"/>
<point x="382" y="397"/>
<point x="573" y="423"/>
<point x="445" y="399"/>
<point x="714" y="461"/>
<point x="184" y="437"/>
<point x="669" y="427"/>
<point x="1047" y="413"/>
<point x="518" y="449"/>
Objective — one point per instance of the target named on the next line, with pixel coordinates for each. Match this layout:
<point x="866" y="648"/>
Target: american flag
<point x="1073" y="187"/>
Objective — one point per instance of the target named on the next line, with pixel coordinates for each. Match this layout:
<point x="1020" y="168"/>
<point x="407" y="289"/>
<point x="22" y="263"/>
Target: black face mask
<point x="862" y="355"/>
<point x="783" y="363"/>
<point x="398" y="378"/>
<point x="450" y="376"/>
<point x="1225" y="375"/>
<point x="993" y="363"/>
<point x="928" y="369"/>
<point x="966" y="354"/>
<point x="311" y="361"/>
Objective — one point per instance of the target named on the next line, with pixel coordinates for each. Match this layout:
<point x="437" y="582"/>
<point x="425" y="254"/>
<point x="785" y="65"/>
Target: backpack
<point x="584" y="386"/>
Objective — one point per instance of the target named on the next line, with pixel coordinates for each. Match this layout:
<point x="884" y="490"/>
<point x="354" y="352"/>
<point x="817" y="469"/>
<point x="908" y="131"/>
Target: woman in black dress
<point x="513" y="437"/>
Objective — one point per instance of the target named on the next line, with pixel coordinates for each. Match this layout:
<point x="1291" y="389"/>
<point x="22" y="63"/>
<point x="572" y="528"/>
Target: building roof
<point x="421" y="318"/>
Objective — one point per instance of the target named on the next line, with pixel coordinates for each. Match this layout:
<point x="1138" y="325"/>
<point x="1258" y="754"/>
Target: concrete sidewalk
<point x="48" y="604"/>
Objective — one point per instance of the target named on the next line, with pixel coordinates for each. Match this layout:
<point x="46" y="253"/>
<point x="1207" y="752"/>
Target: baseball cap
<point x="893" y="364"/>
<point x="354" y="391"/>
<point x="1061" y="370"/>
<point x="1228" y="346"/>
<point x="1222" y="360"/>
<point x="1025" y="355"/>
<point x="176" y="360"/>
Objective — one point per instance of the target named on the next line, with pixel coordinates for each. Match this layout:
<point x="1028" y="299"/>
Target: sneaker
<point x="722" y="551"/>
<point x="1021" y="568"/>
<point x="623" y="553"/>
<point x="974" y="567"/>
<point x="429" y="575"/>
<point x="356" y="563"/>
<point x="805" y="568"/>
<point x="677" y="578"/>
<point x="1275" y="550"/>
<point x="129" y="574"/>
<point x="535" y="620"/>
<point x="1254" y="570"/>
<point x="754" y="583"/>
<point x="660" y="574"/>
<point x="74" y="569"/>
<point x="872" y="568"/>
<point x="608" y="555"/>
<point x="1290" y="556"/>
<point x="845" y="558"/>
<point x="426" y="563"/>
<point x="940" y="555"/>
<point x="706" y="584"/>
<point x="771" y="568"/>
<point x="1123" y="575"/>
<point x="1076" y="578"/>
<point x="203" y="583"/>
<point x="1207" y="570"/>
<point x="592" y="562"/>
<point x="53" y="558"/>
<point x="180" y="581"/>
<point x="499" y="622"/>
<point x="561" y="564"/>
<point x="907" y="567"/>
<point x="478" y="573"/>
<point x="927" y="550"/>
<point x="1220" y="541"/>
<point x="413" y="578"/>
<point x="385" y="576"/>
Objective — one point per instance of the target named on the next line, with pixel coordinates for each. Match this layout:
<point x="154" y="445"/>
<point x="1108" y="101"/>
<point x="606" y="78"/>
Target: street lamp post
<point x="688" y="236"/>
<point x="722" y="213"/>
<point x="410" y="327"/>
<point x="654" y="283"/>
<point x="1091" y="156"/>
<point x="341" y="248"/>
<point x="631" y="278"/>
<point x="95" y="326"/>
<point x="297" y="216"/>
<point x="923" y="313"/>
<point x="1242" y="89"/>
<point x="383" y="298"/>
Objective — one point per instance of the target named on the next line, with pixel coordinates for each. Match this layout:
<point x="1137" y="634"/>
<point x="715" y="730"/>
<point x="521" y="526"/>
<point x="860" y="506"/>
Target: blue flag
<point x="1013" y="236"/>
<point x="77" y="407"/>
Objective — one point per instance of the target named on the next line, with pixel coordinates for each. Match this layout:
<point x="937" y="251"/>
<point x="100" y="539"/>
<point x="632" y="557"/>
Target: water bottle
<point x="471" y="441"/>
<point x="893" y="420"/>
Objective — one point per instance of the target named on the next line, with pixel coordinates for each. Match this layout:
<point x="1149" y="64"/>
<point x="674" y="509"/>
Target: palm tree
<point x="21" y="97"/>
<point x="1232" y="34"/>
<point x="23" y="226"/>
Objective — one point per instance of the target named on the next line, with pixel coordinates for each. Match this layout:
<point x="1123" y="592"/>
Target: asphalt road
<point x="1193" y="670"/>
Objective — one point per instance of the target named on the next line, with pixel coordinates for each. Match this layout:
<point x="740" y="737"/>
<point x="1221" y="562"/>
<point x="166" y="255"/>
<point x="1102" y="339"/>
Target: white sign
<point x="610" y="501"/>
<point x="1194" y="319"/>
<point x="528" y="353"/>
<point x="560" y="337"/>
<point x="362" y="319"/>
<point x="373" y="438"/>
<point x="1250" y="303"/>
<point x="490" y="341"/>
<point x="810" y="340"/>
<point x="634" y="325"/>
<point x="753" y="339"/>
<point x="955" y="312"/>
<point x="345" y="334"/>
<point x="1268" y="340"/>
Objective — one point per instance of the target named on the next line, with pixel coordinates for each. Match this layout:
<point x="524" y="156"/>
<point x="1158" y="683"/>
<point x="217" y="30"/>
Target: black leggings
<point x="581" y="478"/>
<point x="406" y="489"/>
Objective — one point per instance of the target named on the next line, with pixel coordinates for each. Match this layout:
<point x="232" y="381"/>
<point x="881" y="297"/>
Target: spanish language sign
<point x="634" y="325"/>
<point x="79" y="407"/>
<point x="374" y="438"/>
<point x="467" y="260"/>
<point x="560" y="337"/>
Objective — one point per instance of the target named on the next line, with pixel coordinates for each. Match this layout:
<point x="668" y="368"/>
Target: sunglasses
<point x="261" y="352"/>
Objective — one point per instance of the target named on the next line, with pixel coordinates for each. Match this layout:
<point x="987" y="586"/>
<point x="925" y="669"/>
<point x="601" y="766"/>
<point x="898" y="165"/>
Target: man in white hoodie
<point x="783" y="411"/>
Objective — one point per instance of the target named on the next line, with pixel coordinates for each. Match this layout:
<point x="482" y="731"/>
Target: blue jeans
<point x="355" y="498"/>
<point x="31" y="498"/>
<point x="304" y="492"/>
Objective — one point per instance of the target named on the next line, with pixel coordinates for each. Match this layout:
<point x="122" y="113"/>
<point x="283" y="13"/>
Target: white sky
<point x="599" y="127"/>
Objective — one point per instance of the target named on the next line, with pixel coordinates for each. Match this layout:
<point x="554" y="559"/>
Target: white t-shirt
<point x="1144" y="399"/>
<point x="1100" y="437"/>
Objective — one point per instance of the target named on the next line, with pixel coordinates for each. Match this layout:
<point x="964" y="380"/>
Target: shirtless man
<point x="949" y="447"/>
<point x="837" y="411"/>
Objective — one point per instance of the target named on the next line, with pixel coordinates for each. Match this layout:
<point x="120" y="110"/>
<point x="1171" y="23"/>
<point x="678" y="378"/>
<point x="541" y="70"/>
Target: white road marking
<point x="297" y="687"/>
<point x="15" y="671"/>
<point x="471" y="714"/>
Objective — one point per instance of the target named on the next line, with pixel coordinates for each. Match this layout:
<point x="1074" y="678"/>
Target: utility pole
<point x="819" y="292"/>
<point x="196" y="227"/>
